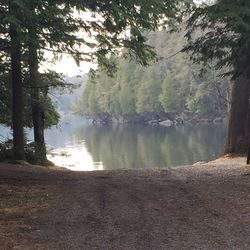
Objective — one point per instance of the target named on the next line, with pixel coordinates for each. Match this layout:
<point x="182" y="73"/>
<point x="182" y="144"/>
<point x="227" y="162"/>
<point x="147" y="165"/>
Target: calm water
<point x="80" y="146"/>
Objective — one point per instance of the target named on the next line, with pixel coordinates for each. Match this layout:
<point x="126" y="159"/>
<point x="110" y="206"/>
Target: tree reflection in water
<point x="97" y="148"/>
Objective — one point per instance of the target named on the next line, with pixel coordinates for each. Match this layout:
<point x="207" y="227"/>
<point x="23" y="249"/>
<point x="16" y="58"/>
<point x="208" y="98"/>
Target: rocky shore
<point x="155" y="119"/>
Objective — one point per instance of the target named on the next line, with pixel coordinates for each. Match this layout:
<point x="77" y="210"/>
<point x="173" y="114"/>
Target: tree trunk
<point x="37" y="107"/>
<point x="37" y="110"/>
<point x="17" y="95"/>
<point x="238" y="127"/>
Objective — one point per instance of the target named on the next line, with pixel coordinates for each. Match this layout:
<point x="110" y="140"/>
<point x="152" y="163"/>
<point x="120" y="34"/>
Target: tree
<point x="148" y="92"/>
<point x="54" y="28"/>
<point x="16" y="74"/>
<point x="121" y="24"/>
<point x="225" y="39"/>
<point x="24" y="18"/>
<point x="36" y="106"/>
<point x="36" y="39"/>
<point x="170" y="97"/>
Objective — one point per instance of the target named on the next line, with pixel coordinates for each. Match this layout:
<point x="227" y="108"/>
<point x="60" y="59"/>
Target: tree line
<point x="171" y="84"/>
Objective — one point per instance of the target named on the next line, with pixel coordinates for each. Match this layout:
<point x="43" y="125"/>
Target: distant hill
<point x="66" y="100"/>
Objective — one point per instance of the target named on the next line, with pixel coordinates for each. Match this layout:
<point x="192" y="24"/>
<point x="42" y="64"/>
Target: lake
<point x="78" y="145"/>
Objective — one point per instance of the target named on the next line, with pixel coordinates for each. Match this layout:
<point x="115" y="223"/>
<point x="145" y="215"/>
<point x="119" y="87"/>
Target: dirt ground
<point x="206" y="206"/>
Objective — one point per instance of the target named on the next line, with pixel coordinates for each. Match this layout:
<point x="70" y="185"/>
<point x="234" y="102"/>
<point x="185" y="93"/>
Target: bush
<point x="6" y="150"/>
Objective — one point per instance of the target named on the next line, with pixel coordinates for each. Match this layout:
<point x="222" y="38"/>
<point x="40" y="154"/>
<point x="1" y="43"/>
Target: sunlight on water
<point x="74" y="158"/>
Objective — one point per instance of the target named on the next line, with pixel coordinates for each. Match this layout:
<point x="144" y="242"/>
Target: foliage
<point x="171" y="84"/>
<point x="224" y="35"/>
<point x="224" y="38"/>
<point x="170" y="97"/>
<point x="47" y="81"/>
<point x="6" y="150"/>
<point x="122" y="25"/>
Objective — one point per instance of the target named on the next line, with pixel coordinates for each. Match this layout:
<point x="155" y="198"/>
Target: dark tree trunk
<point x="238" y="128"/>
<point x="17" y="96"/>
<point x="37" y="110"/>
<point x="38" y="123"/>
<point x="248" y="154"/>
<point x="37" y="107"/>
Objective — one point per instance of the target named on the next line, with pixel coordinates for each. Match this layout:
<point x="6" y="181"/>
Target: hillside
<point x="171" y="84"/>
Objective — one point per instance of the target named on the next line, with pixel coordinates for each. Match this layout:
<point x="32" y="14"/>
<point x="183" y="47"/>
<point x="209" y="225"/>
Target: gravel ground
<point x="205" y="206"/>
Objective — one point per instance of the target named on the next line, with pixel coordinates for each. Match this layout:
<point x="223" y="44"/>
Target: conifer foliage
<point x="225" y="27"/>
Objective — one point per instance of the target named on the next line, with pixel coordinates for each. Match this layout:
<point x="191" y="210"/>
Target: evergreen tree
<point x="148" y="92"/>
<point x="14" y="14"/>
<point x="225" y="39"/>
<point x="170" y="98"/>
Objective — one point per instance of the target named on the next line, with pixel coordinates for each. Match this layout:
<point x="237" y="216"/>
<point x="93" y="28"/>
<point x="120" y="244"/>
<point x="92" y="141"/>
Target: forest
<point x="171" y="84"/>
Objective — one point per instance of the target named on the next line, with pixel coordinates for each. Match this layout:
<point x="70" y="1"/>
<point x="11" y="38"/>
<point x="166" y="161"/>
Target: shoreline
<point x="224" y="160"/>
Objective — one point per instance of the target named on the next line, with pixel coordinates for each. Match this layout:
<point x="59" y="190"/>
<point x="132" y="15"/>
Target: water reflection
<point x="80" y="146"/>
<point x="75" y="158"/>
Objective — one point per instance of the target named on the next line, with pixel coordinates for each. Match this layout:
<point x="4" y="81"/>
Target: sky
<point x="67" y="66"/>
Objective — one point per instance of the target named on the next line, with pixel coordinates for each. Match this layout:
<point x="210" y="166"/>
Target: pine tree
<point x="16" y="75"/>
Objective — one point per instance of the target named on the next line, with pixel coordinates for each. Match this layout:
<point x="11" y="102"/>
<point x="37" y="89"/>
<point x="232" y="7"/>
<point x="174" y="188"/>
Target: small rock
<point x="153" y="122"/>
<point x="166" y="123"/>
<point x="178" y="120"/>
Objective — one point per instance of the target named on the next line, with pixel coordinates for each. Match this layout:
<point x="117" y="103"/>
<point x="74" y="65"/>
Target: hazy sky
<point x="67" y="66"/>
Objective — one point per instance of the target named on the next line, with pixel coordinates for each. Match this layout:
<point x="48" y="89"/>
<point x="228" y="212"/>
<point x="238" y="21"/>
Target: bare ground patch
<point x="193" y="207"/>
